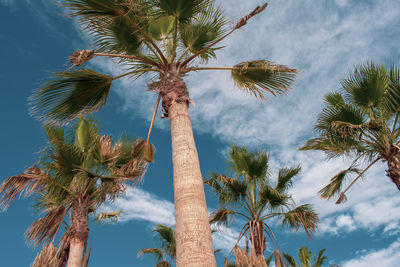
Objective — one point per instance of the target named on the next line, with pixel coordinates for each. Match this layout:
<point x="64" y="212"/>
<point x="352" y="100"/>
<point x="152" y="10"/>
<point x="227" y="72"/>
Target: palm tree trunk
<point x="193" y="233"/>
<point x="257" y="236"/>
<point x="393" y="162"/>
<point x="79" y="236"/>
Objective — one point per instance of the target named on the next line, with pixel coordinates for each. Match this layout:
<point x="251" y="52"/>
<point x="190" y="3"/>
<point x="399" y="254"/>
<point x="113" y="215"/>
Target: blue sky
<point x="323" y="39"/>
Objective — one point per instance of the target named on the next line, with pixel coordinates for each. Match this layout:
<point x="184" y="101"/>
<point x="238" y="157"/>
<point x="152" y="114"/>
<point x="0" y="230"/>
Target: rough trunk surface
<point x="79" y="235"/>
<point x="193" y="233"/>
<point x="257" y="237"/>
<point x="393" y="162"/>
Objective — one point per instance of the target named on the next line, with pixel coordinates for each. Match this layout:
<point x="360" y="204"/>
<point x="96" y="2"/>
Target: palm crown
<point x="361" y="121"/>
<point x="305" y="258"/>
<point x="78" y="172"/>
<point x="250" y="194"/>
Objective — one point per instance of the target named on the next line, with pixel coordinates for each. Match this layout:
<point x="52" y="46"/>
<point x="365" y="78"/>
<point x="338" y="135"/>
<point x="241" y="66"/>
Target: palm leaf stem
<point x="248" y="208"/>
<point x="247" y="217"/>
<point x="372" y="163"/>
<point x="242" y="232"/>
<point x="175" y="39"/>
<point x="242" y="22"/>
<point x="369" y="136"/>
<point x="270" y="215"/>
<point x="65" y="188"/>
<point x="132" y="72"/>
<point x="149" y="40"/>
<point x="154" y="116"/>
<point x="128" y="56"/>
<point x="96" y="175"/>
<point x="59" y="226"/>
<point x="273" y="236"/>
<point x="395" y="122"/>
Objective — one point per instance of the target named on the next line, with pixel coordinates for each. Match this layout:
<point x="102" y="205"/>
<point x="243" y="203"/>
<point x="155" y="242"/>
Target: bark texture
<point x="193" y="233"/>
<point x="79" y="235"/>
<point x="393" y="161"/>
<point x="257" y="237"/>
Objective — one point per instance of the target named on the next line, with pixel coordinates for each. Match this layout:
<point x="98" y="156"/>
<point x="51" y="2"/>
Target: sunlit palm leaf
<point x="285" y="177"/>
<point x="303" y="216"/>
<point x="335" y="186"/>
<point x="320" y="259"/>
<point x="167" y="238"/>
<point x="273" y="197"/>
<point x="260" y="76"/>
<point x="304" y="256"/>
<point x="47" y="257"/>
<point x="70" y="94"/>
<point x="153" y="251"/>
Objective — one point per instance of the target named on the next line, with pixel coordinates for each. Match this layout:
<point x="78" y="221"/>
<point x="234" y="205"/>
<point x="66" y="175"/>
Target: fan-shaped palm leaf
<point x="335" y="186"/>
<point x="303" y="216"/>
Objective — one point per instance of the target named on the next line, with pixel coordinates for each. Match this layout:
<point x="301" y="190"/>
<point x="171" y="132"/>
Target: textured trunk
<point x="79" y="236"/>
<point x="193" y="234"/>
<point x="257" y="237"/>
<point x="393" y="162"/>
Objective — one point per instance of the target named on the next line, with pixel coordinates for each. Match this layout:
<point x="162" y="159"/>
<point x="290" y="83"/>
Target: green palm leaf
<point x="303" y="216"/>
<point x="70" y="94"/>
<point x="182" y="9"/>
<point x="285" y="177"/>
<point x="304" y="256"/>
<point x="335" y="186"/>
<point x="153" y="251"/>
<point x="320" y="259"/>
<point x="290" y="260"/>
<point x="221" y="216"/>
<point x="260" y="76"/>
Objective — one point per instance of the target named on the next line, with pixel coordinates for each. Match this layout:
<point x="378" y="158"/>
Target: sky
<point x="323" y="39"/>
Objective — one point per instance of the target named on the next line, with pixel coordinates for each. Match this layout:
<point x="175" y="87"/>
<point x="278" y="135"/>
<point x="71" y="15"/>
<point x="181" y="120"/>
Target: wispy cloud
<point x="141" y="205"/>
<point x="386" y="257"/>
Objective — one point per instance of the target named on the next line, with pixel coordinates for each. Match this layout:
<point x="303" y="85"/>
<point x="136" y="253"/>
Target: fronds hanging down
<point x="335" y="186"/>
<point x="302" y="216"/>
<point x="260" y="76"/>
<point x="78" y="58"/>
<point x="31" y="181"/>
<point x="144" y="150"/>
<point x="243" y="21"/>
<point x="156" y="252"/>
<point x="285" y="177"/>
<point x="70" y="94"/>
<point x="45" y="228"/>
<point x="48" y="257"/>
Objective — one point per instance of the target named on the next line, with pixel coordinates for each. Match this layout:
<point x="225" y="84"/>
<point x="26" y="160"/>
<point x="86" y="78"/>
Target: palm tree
<point x="250" y="194"/>
<point x="78" y="172"/>
<point x="360" y="121"/>
<point x="305" y="258"/>
<point x="166" y="254"/>
<point x="166" y="39"/>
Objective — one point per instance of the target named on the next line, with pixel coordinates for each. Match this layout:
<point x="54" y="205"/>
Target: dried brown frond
<point x="342" y="198"/>
<point x="108" y="152"/>
<point x="278" y="259"/>
<point x="47" y="257"/>
<point x="109" y="215"/>
<point x="45" y="228"/>
<point x="144" y="150"/>
<point x="241" y="258"/>
<point x="63" y="250"/>
<point x="243" y="21"/>
<point x="32" y="180"/>
<point x="134" y="170"/>
<point x="78" y="58"/>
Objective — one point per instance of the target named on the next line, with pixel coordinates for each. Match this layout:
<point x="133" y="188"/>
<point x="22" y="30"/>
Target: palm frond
<point x="260" y="76"/>
<point x="94" y="8"/>
<point x="32" y="180"/>
<point x="144" y="150"/>
<point x="366" y="86"/>
<point x="336" y="183"/>
<point x="392" y="97"/>
<point x="290" y="260"/>
<point x="221" y="216"/>
<point x="285" y="177"/>
<point x="273" y="197"/>
<point x="167" y="239"/>
<point x="181" y="9"/>
<point x="153" y="251"/>
<point x="334" y="99"/>
<point x="303" y="216"/>
<point x="47" y="257"/>
<point x="304" y="256"/>
<point x="110" y="216"/>
<point x="320" y="259"/>
<point x="45" y="228"/>
<point x="70" y="94"/>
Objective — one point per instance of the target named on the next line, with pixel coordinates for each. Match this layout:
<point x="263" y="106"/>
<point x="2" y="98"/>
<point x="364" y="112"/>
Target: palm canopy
<point x="250" y="194"/>
<point x="157" y="37"/>
<point x="77" y="172"/>
<point x="166" y="253"/>
<point x="360" y="121"/>
<point x="305" y="258"/>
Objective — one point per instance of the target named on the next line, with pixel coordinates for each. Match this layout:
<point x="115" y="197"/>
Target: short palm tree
<point x="305" y="258"/>
<point x="250" y="194"/>
<point x="166" y="253"/>
<point x="78" y="172"/>
<point x="361" y="121"/>
<point x="166" y="39"/>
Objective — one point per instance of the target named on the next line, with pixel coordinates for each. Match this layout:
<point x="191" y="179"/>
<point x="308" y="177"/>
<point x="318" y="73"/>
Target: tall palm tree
<point x="166" y="39"/>
<point x="79" y="170"/>
<point x="250" y="194"/>
<point x="166" y="253"/>
<point x="360" y="121"/>
<point x="305" y="258"/>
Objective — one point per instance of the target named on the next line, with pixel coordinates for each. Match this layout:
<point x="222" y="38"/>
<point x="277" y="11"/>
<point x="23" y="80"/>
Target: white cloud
<point x="138" y="204"/>
<point x="386" y="257"/>
<point x="225" y="238"/>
